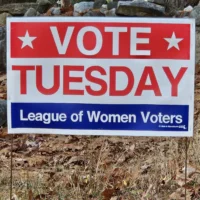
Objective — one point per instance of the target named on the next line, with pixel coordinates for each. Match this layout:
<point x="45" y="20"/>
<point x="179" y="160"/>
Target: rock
<point x="3" y="17"/>
<point x="179" y="4"/>
<point x="105" y="6"/>
<point x="53" y="11"/>
<point x="76" y="14"/>
<point x="56" y="11"/>
<point x="188" y="9"/>
<point x="30" y="12"/>
<point x="197" y="52"/>
<point x="112" y="5"/>
<point x="2" y="48"/>
<point x="103" y="10"/>
<point x="83" y="7"/>
<point x="3" y="112"/>
<point x="139" y="8"/>
<point x="2" y="2"/>
<point x="53" y="1"/>
<point x="111" y="13"/>
<point x="182" y="14"/>
<point x="92" y="13"/>
<point x="160" y="2"/>
<point x="174" y="6"/>
<point x="196" y="14"/>
<point x="2" y="33"/>
<point x="17" y="8"/>
<point x="192" y="2"/>
<point x="72" y="2"/>
<point x="99" y="3"/>
<point x="43" y="6"/>
<point x="58" y="3"/>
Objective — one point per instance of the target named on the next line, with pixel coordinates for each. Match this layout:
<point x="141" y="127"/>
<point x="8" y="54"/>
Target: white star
<point x="27" y="40"/>
<point x="173" y="41"/>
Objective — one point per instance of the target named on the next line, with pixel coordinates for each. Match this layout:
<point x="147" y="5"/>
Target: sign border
<point x="104" y="132"/>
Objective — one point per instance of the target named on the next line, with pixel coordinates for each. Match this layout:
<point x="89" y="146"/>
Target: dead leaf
<point x="108" y="193"/>
<point x="190" y="170"/>
<point x="180" y="195"/>
<point x="3" y="132"/>
<point x="73" y="147"/>
<point x="76" y="160"/>
<point x="114" y="198"/>
<point x="2" y="78"/>
<point x="145" y="168"/>
<point x="30" y="195"/>
<point x="14" y="197"/>
<point x="132" y="147"/>
<point x="41" y="197"/>
<point x="121" y="159"/>
<point x="147" y="192"/>
<point x="197" y="97"/>
<point x="3" y="95"/>
<point x="69" y="13"/>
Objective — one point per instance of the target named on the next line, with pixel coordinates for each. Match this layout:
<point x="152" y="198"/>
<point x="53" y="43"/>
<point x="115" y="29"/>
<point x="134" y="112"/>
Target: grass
<point x="127" y="168"/>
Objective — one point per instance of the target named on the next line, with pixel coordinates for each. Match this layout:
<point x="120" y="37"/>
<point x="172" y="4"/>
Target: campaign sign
<point x="101" y="76"/>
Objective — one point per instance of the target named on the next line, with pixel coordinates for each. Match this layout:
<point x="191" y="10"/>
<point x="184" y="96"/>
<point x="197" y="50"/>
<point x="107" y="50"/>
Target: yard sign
<point x="101" y="76"/>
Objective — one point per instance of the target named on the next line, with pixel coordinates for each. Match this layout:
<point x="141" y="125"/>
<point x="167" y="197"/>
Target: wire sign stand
<point x="11" y="168"/>
<point x="135" y="76"/>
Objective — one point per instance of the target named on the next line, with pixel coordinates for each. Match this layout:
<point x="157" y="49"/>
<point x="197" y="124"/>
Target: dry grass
<point x="84" y="168"/>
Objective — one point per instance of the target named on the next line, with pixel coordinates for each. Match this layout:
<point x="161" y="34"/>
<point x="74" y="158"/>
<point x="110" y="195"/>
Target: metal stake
<point x="11" y="168"/>
<point x="186" y="158"/>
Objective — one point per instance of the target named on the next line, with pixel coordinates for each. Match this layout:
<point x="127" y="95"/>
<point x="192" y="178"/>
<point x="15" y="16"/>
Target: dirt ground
<point x="101" y="168"/>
